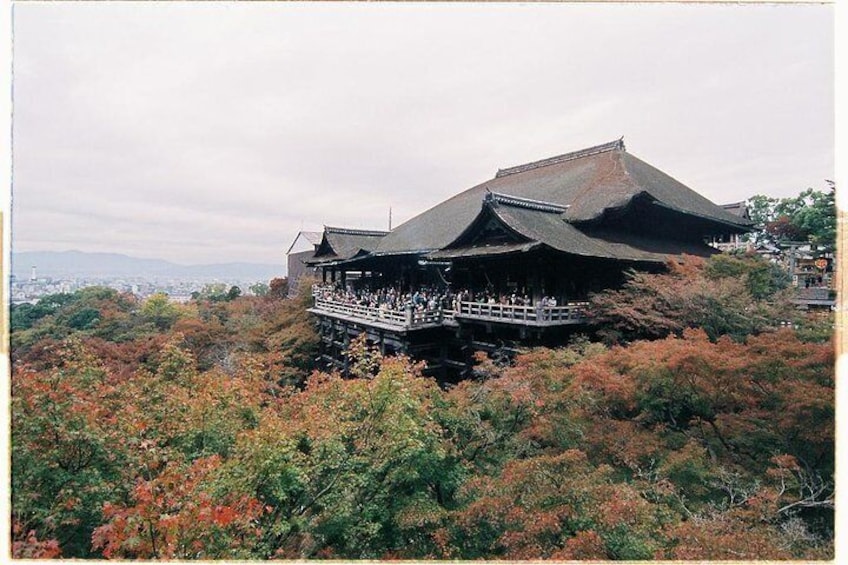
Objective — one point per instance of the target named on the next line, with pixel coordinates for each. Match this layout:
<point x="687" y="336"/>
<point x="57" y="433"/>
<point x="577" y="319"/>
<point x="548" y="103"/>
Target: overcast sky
<point x="214" y="132"/>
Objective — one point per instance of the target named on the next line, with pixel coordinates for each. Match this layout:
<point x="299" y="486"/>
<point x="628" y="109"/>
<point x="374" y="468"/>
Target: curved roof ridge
<point x="520" y="202"/>
<point x="604" y="147"/>
<point x="353" y="231"/>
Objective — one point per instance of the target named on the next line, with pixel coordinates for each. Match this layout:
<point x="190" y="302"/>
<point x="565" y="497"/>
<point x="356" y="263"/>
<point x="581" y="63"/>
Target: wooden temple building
<point x="510" y="261"/>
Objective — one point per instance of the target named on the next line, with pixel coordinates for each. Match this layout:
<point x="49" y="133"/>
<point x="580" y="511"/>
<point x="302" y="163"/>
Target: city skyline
<point x="213" y="133"/>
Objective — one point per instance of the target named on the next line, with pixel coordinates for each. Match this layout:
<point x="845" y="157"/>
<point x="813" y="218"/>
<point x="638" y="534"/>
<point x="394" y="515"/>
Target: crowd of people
<point x="386" y="298"/>
<point x="422" y="299"/>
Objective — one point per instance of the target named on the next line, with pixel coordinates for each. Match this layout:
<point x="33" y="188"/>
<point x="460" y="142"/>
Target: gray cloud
<point x="207" y="132"/>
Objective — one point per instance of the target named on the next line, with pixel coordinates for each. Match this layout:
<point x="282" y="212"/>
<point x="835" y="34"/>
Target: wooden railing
<point x="410" y="318"/>
<point x="570" y="313"/>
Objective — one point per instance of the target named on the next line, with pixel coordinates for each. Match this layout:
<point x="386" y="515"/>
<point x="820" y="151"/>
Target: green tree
<point x="159" y="311"/>
<point x="84" y="319"/>
<point x="349" y="468"/>
<point x="217" y="292"/>
<point x="762" y="278"/>
<point x="24" y="316"/>
<point x="64" y="465"/>
<point x="259" y="289"/>
<point x="810" y="216"/>
<point x="233" y="293"/>
<point x="213" y="292"/>
<point x="817" y="217"/>
<point x="92" y="311"/>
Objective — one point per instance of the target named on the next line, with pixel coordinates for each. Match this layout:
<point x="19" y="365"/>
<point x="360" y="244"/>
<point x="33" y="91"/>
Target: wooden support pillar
<point x="443" y="362"/>
<point x="536" y="282"/>
<point x="344" y="352"/>
<point x="413" y="278"/>
<point x="333" y="274"/>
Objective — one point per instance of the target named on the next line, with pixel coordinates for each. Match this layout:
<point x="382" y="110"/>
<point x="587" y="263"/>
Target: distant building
<point x="510" y="261"/>
<point x="812" y="274"/>
<point x="732" y="241"/>
<point x="303" y="247"/>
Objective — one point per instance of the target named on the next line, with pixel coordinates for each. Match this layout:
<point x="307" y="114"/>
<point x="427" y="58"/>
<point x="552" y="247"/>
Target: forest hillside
<point x="694" y="421"/>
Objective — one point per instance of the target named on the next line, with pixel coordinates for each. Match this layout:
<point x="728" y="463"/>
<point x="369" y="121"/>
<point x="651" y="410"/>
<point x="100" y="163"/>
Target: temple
<point x="510" y="261"/>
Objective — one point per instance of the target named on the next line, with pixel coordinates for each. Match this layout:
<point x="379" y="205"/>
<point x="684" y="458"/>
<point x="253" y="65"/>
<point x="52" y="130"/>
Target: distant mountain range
<point x="76" y="264"/>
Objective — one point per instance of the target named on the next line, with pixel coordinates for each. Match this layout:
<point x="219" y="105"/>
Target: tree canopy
<point x="732" y="295"/>
<point x="808" y="217"/>
<point x="201" y="431"/>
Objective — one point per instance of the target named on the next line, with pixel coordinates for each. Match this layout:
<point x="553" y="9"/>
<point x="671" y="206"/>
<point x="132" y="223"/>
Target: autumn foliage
<point x="725" y="295"/>
<point x="199" y="431"/>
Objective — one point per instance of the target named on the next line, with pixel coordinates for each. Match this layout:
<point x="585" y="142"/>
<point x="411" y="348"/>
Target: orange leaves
<point x="622" y="505"/>
<point x="187" y="446"/>
<point x="667" y="417"/>
<point x="737" y="301"/>
<point x="586" y="545"/>
<point x="618" y="389"/>
<point x="729" y="392"/>
<point x="530" y="533"/>
<point x="784" y="464"/>
<point x="174" y="516"/>
<point x="733" y="535"/>
<point x="536" y="506"/>
<point x="30" y="547"/>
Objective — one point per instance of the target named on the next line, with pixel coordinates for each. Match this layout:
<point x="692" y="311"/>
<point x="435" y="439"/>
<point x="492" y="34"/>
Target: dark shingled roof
<point x="586" y="182"/>
<point x="547" y="226"/>
<point x="340" y="244"/>
<point x="314" y="237"/>
<point x="483" y="250"/>
<point x="739" y="209"/>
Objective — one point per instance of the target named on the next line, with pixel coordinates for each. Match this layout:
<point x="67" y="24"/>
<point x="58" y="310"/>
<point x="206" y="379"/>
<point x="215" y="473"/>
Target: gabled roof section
<point x="543" y="224"/>
<point x="553" y="231"/>
<point x="305" y="238"/>
<point x="739" y="209"/>
<point x="674" y="194"/>
<point x="339" y="244"/>
<point x="478" y="233"/>
<point x="314" y="237"/>
<point x="587" y="183"/>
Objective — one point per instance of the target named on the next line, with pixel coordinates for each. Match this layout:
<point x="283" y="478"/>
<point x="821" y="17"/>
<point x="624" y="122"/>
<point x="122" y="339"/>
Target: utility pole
<point x="793" y="249"/>
<point x="390" y="218"/>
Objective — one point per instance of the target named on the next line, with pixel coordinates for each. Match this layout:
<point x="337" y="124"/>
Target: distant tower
<point x="32" y="276"/>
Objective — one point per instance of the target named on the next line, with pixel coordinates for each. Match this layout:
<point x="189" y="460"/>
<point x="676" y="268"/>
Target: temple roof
<point x="738" y="209"/>
<point x="341" y="244"/>
<point x="535" y="223"/>
<point x="586" y="184"/>
<point x="305" y="238"/>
